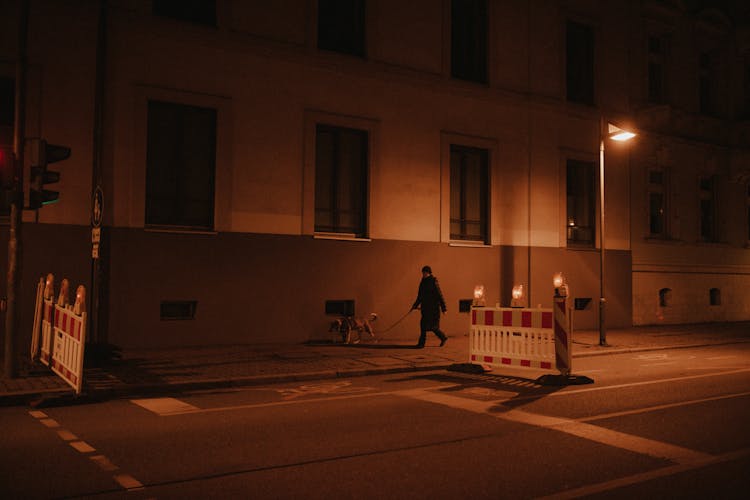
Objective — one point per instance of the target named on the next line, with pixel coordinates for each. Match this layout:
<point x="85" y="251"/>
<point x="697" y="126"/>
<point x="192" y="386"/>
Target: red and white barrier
<point x="37" y="328"/>
<point x="48" y="316"/>
<point x="70" y="340"/>
<point x="563" y="360"/>
<point x="63" y="331"/>
<point x="512" y="337"/>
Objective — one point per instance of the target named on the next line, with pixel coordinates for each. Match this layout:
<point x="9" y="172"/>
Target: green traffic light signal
<point x="40" y="176"/>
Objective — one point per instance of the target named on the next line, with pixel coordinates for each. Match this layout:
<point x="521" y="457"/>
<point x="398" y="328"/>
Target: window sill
<point x="179" y="230"/>
<point x="339" y="236"/>
<point x="468" y="244"/>
<point x="581" y="247"/>
<point x="663" y="240"/>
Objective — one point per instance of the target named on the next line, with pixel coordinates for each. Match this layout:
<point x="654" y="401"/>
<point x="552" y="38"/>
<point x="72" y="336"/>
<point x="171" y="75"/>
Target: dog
<point x="351" y="328"/>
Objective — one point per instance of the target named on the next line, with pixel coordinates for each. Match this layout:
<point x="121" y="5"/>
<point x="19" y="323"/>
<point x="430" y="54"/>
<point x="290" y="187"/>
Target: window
<point x="706" y="82"/>
<point x="714" y="297"/>
<point x="7" y="116"/>
<point x="469" y="194"/>
<point x="665" y="297"/>
<point x="581" y="201"/>
<point x="656" y="56"/>
<point x="469" y="40"/>
<point x="341" y="172"/>
<point x="180" y="166"/>
<point x="657" y="203"/>
<point x="192" y="11"/>
<point x="7" y="102"/>
<point x="707" y="209"/>
<point x="341" y="26"/>
<point x="579" y="62"/>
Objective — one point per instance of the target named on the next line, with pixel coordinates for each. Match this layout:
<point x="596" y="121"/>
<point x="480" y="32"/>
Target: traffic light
<point x="7" y="172"/>
<point x="40" y="176"/>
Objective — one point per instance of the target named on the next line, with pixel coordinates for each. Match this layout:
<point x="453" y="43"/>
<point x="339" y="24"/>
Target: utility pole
<point x="15" y="240"/>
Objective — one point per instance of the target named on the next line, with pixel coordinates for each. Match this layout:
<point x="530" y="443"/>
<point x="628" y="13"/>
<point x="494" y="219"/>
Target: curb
<point x="59" y="397"/>
<point x="66" y="396"/>
<point x="624" y="350"/>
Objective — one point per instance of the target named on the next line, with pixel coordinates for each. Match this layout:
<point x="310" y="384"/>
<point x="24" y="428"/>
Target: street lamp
<point x="616" y="134"/>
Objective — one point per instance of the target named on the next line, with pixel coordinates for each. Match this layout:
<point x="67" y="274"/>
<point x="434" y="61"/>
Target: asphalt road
<point x="657" y="424"/>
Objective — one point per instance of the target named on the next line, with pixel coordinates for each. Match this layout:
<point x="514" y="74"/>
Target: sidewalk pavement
<point x="161" y="371"/>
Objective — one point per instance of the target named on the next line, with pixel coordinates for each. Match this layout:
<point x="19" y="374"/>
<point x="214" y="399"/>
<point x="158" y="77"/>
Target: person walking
<point x="431" y="302"/>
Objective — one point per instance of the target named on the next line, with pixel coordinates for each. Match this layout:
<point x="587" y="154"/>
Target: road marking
<point x="66" y="435"/>
<point x="103" y="463"/>
<point x="713" y="358"/>
<point x="164" y="406"/>
<point x="48" y="422"/>
<point x="190" y="409"/>
<point x="128" y="482"/>
<point x="125" y="480"/>
<point x="660" y="407"/>
<point x="343" y="387"/>
<point x="616" y="439"/>
<point x="648" y="382"/>
<point x="661" y="364"/>
<point x="622" y="482"/>
<point x="82" y="446"/>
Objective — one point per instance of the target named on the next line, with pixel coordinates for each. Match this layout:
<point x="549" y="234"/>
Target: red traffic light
<point x="7" y="167"/>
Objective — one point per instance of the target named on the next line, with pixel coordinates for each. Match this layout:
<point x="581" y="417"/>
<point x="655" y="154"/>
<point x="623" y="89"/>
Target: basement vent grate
<point x="340" y="307"/>
<point x="177" y="309"/>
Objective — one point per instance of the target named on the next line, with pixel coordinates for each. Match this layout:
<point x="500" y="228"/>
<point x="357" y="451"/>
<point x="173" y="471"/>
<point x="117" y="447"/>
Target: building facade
<point x="258" y="159"/>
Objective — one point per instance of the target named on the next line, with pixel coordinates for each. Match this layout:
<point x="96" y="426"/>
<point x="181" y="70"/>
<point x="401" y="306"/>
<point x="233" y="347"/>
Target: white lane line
<point x="647" y="382"/>
<point x="647" y="409"/>
<point x="82" y="446"/>
<point x="48" y="422"/>
<point x="713" y="358"/>
<point x="164" y="406"/>
<point x="128" y="482"/>
<point x="661" y="364"/>
<point x="622" y="482"/>
<point x="66" y="435"/>
<point x="125" y="480"/>
<point x="594" y="433"/>
<point x="103" y="463"/>
<point x="195" y="410"/>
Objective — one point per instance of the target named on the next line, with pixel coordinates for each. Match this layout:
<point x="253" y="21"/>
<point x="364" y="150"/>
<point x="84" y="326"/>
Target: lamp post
<point x="616" y="134"/>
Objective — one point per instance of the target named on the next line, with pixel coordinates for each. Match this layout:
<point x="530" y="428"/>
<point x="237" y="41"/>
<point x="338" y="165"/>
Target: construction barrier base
<point x="562" y="380"/>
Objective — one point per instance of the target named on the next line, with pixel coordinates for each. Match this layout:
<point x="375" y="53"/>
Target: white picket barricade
<point x="70" y="340"/>
<point x="48" y="316"/>
<point x="69" y="331"/>
<point x="503" y="336"/>
<point x="37" y="328"/>
<point x="63" y="331"/>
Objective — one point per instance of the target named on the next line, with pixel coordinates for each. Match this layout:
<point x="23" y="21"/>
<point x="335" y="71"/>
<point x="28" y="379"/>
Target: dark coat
<point x="431" y="299"/>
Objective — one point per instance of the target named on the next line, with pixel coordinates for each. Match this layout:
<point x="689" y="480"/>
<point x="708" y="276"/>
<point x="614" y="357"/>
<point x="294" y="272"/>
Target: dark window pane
<point x="7" y="101"/>
<point x="656" y="177"/>
<point x="193" y="11"/>
<point x="581" y="200"/>
<point x="656" y="213"/>
<point x="580" y="63"/>
<point x="469" y="40"/>
<point x="469" y="201"/>
<point x="341" y="26"/>
<point x="341" y="157"/>
<point x="181" y="161"/>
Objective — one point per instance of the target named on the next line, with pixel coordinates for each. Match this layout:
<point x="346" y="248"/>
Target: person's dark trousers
<point x="423" y="336"/>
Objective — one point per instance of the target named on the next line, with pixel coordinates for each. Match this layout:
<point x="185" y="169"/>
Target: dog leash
<point x="396" y="323"/>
